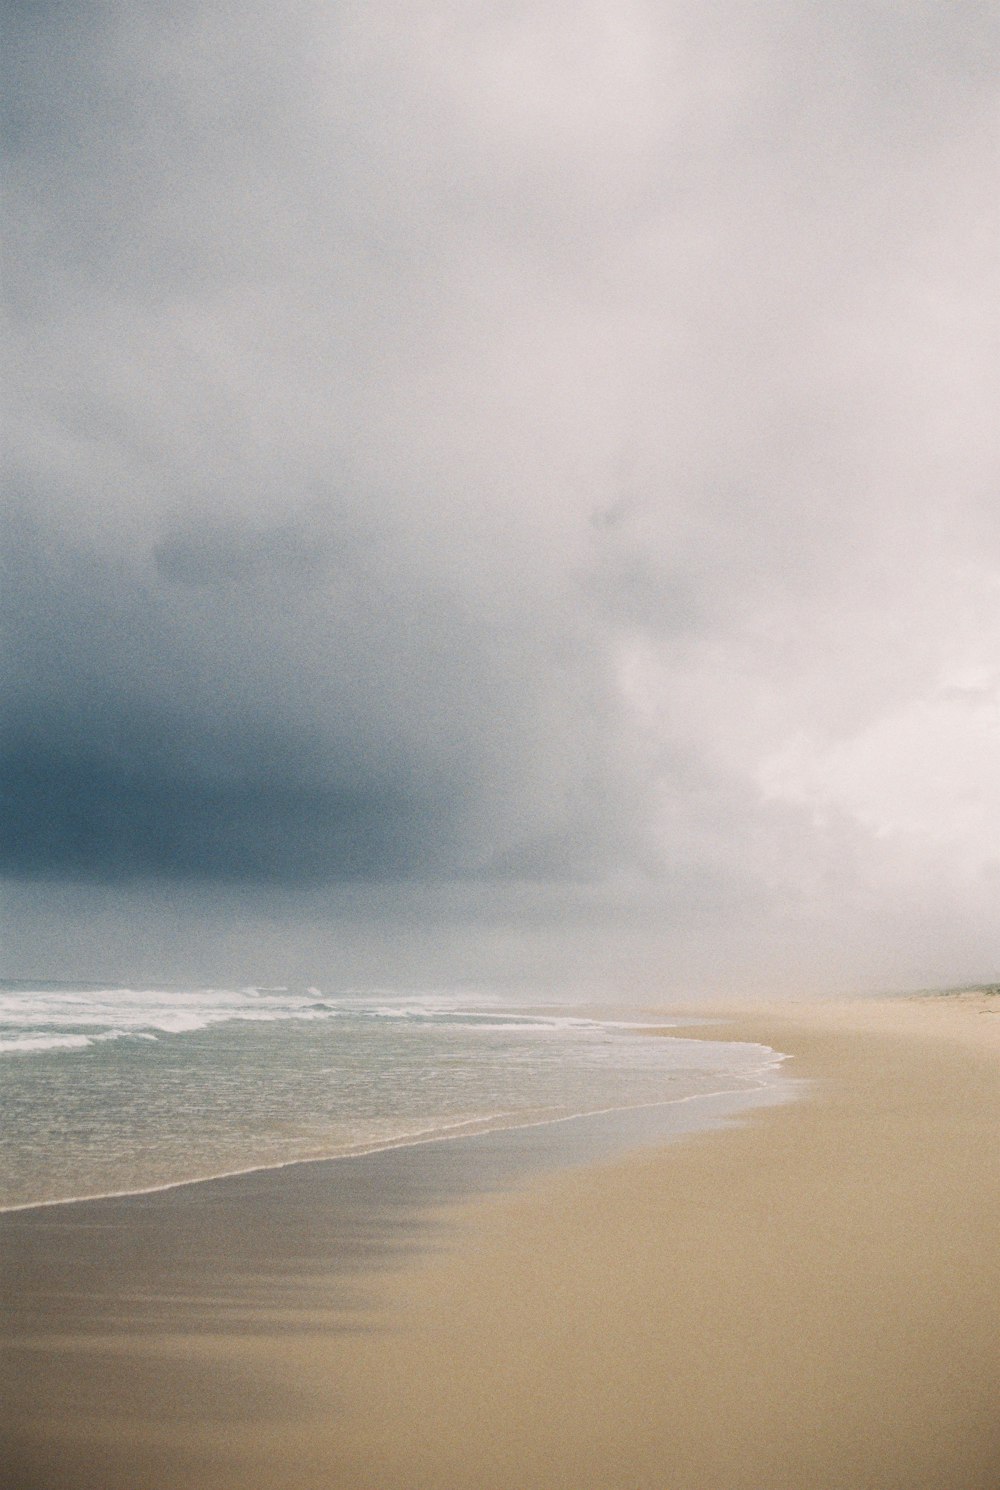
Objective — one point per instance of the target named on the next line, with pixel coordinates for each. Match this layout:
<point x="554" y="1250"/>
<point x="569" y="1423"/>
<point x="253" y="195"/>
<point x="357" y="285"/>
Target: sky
<point x="503" y="493"/>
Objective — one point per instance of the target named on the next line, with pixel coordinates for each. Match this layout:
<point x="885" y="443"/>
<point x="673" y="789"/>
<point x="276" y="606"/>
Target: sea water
<point x="107" y="1090"/>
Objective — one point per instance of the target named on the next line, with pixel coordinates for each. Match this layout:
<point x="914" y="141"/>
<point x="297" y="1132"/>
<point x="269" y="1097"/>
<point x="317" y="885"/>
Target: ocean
<point x="111" y="1091"/>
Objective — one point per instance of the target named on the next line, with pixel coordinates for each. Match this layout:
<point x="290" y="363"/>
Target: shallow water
<point x="111" y="1090"/>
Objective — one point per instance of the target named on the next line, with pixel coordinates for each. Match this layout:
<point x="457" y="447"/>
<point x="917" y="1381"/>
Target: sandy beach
<point x="807" y="1301"/>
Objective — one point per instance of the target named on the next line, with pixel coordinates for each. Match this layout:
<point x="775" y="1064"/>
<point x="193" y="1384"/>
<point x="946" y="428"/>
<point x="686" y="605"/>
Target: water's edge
<point x="568" y="1140"/>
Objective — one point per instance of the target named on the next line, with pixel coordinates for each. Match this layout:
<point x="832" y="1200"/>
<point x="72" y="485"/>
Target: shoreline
<point x="440" y="1133"/>
<point x="810" y="1296"/>
<point x="472" y="1129"/>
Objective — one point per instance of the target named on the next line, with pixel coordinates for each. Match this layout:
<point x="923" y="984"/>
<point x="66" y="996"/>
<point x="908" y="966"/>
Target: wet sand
<point x="811" y="1299"/>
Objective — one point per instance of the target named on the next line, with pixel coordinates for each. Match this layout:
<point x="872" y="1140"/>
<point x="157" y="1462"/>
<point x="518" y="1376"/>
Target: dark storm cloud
<point x="255" y="707"/>
<point x="476" y="444"/>
<point x="98" y="819"/>
<point x="231" y="555"/>
<point x="119" y="759"/>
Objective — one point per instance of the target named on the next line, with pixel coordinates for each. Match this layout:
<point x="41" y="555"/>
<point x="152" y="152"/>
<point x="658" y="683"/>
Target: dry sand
<point x="808" y="1302"/>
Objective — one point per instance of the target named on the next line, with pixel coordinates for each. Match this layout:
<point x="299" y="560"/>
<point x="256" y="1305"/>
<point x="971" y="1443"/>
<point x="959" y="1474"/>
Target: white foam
<point x="34" y="1020"/>
<point x="72" y="1018"/>
<point x="25" y="1044"/>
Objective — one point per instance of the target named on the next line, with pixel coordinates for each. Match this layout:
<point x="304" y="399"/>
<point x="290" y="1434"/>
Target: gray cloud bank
<point x="524" y="471"/>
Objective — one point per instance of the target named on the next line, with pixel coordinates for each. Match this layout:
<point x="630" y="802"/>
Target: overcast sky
<point x="503" y="490"/>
